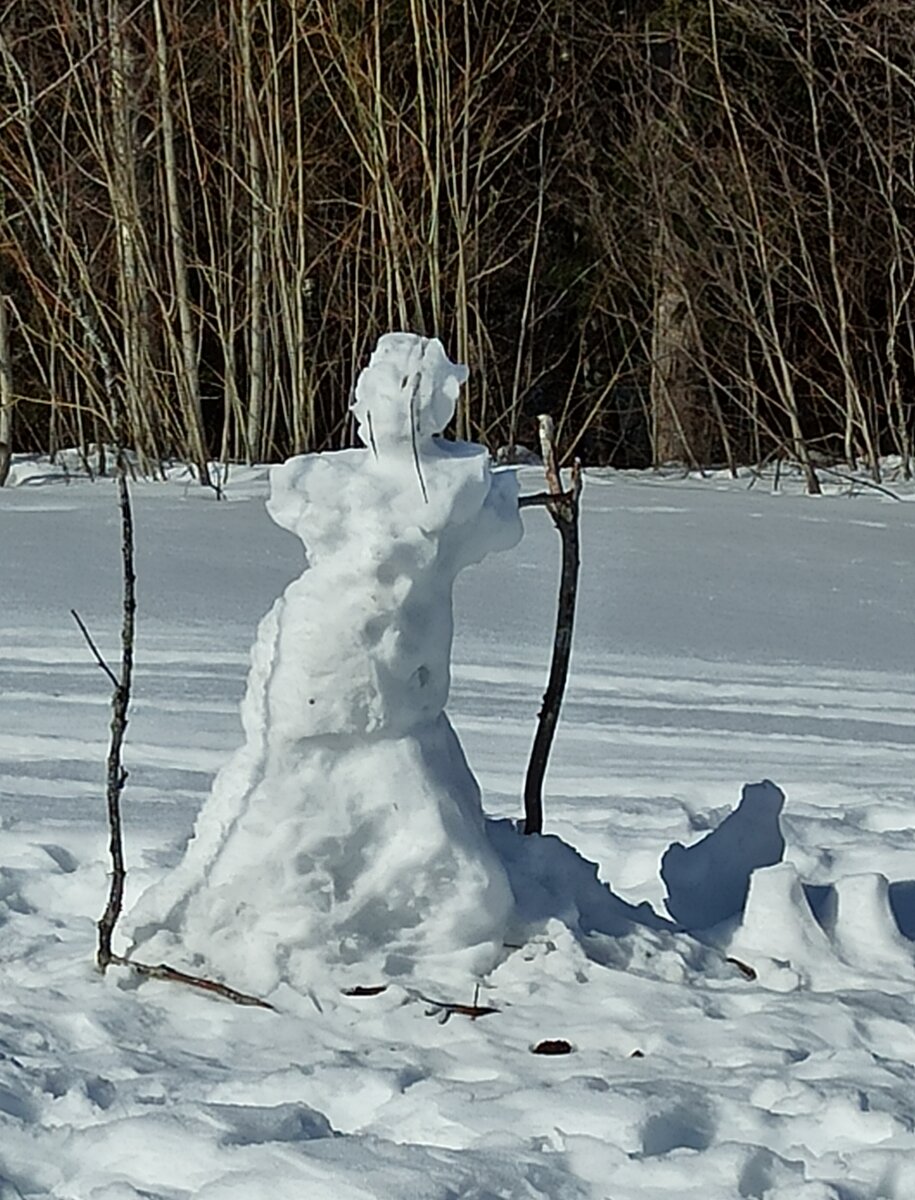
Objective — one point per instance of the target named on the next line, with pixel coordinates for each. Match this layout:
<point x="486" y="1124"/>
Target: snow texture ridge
<point x="346" y="837"/>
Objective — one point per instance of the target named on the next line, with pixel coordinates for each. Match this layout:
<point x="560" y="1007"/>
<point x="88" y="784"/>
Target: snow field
<point x="712" y="651"/>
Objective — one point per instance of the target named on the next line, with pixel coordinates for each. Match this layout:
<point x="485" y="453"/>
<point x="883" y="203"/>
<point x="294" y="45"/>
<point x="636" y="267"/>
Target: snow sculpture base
<point x="345" y="840"/>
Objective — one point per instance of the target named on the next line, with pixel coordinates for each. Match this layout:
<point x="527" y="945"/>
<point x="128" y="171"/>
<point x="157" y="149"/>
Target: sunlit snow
<point x="753" y="1039"/>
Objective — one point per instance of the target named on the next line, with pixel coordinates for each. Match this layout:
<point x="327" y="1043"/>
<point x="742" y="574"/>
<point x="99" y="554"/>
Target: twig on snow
<point x="445" y="1010"/>
<point x="164" y="971"/>
<point x="852" y="479"/>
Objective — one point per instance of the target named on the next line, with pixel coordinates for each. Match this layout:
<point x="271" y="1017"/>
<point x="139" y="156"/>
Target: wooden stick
<point x="120" y="703"/>
<point x="6" y="396"/>
<point x="563" y="508"/>
<point x="164" y="971"/>
<point x="445" y="1009"/>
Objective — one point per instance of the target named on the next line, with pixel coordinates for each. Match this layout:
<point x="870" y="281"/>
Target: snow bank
<point x="345" y="839"/>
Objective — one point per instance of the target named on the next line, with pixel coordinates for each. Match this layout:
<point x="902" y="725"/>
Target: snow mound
<point x="733" y="891"/>
<point x="346" y="838"/>
<point x="822" y="937"/>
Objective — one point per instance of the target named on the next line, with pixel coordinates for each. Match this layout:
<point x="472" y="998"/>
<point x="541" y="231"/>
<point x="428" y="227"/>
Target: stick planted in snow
<point x="120" y="703"/>
<point x="563" y="508"/>
<point x="6" y="396"/>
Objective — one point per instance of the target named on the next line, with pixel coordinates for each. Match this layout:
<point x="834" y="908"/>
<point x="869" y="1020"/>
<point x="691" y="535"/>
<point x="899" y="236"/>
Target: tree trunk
<point x="188" y="383"/>
<point x="255" y="441"/>
<point x="678" y="425"/>
<point x="124" y="194"/>
<point x="6" y="396"/>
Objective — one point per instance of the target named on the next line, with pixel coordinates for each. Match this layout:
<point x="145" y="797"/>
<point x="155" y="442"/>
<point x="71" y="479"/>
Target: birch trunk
<point x="125" y="209"/>
<point x="676" y="433"/>
<point x="254" y="439"/>
<point x="187" y="377"/>
<point x="6" y="396"/>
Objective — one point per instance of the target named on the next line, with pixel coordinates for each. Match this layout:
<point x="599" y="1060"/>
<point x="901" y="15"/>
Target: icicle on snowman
<point x="345" y="840"/>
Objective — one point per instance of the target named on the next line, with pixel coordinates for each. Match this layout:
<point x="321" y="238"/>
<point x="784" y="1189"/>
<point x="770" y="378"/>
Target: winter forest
<point x="683" y="228"/>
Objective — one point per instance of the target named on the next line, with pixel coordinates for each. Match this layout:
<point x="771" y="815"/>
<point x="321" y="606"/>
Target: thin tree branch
<point x="95" y="650"/>
<point x="6" y="396"/>
<point x="164" y="971"/>
<point x="445" y="1009"/>
<point x="540" y="499"/>
<point x="870" y="483"/>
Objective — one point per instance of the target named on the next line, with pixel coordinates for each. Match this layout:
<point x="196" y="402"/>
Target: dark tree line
<point x="683" y="229"/>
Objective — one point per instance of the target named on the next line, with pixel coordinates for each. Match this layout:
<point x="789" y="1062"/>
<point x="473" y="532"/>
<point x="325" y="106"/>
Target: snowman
<point x="345" y="840"/>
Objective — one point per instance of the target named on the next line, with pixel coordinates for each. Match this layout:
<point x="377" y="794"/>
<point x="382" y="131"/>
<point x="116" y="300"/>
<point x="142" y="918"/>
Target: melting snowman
<point x="345" y="840"/>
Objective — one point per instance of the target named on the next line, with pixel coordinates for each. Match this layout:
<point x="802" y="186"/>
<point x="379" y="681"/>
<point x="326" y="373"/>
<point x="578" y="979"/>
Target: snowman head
<point x="407" y="393"/>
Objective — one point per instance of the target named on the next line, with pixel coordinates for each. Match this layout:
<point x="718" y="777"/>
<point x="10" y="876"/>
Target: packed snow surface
<point x="734" y="762"/>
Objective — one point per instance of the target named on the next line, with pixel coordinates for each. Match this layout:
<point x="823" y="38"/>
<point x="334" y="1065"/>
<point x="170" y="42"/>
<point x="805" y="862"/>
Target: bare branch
<point x="95" y="650"/>
<point x="171" y="974"/>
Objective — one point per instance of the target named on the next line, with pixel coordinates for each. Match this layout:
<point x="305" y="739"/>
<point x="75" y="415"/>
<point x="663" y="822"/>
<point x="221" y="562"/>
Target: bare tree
<point x="688" y="224"/>
<point x="6" y="395"/>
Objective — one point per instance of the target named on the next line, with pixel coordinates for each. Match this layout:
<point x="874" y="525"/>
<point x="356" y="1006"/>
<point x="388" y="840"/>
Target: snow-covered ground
<point x="727" y="635"/>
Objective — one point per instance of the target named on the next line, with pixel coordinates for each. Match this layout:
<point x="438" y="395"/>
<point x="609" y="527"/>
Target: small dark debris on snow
<point x="362" y="990"/>
<point x="552" y="1046"/>
<point x="744" y="968"/>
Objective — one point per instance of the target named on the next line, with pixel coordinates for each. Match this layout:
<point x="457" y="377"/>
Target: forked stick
<point x="120" y="703"/>
<point x="563" y="508"/>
